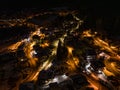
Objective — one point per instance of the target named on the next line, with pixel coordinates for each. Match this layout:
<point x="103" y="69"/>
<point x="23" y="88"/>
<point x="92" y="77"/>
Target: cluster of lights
<point x="72" y="62"/>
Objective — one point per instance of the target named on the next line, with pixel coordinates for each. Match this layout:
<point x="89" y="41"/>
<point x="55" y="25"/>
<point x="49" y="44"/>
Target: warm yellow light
<point x="87" y="33"/>
<point x="73" y="63"/>
<point x="70" y="49"/>
<point x="108" y="73"/>
<point x="44" y="45"/>
<point x="15" y="46"/>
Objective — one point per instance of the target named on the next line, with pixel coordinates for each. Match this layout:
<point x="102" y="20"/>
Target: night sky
<point x="98" y="6"/>
<point x="54" y="3"/>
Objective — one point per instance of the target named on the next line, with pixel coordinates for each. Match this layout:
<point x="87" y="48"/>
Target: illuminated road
<point x="95" y="83"/>
<point x="113" y="66"/>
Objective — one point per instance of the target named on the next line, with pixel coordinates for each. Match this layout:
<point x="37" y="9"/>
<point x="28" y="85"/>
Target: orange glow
<point x="44" y="45"/>
<point x="70" y="49"/>
<point x="15" y="46"/>
<point x="42" y="36"/>
<point x="93" y="86"/>
<point x="105" y="46"/>
<point x="32" y="61"/>
<point x="111" y="68"/>
<point x="108" y="73"/>
<point x="28" y="48"/>
<point x="46" y="65"/>
<point x="73" y="64"/>
<point x="72" y="61"/>
<point x="87" y="33"/>
<point x="101" y="43"/>
<point x="94" y="76"/>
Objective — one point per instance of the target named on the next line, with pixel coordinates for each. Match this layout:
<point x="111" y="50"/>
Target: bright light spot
<point x="54" y="52"/>
<point x="62" y="40"/>
<point x="99" y="71"/>
<point x="48" y="66"/>
<point x="87" y="33"/>
<point x="27" y="40"/>
<point x="70" y="49"/>
<point x="21" y="60"/>
<point x="33" y="52"/>
<point x="55" y="43"/>
<point x="102" y="77"/>
<point x="88" y="68"/>
<point x="64" y="76"/>
<point x="44" y="45"/>
<point x="60" y="78"/>
<point x="55" y="79"/>
<point x="102" y="54"/>
<point x="89" y="58"/>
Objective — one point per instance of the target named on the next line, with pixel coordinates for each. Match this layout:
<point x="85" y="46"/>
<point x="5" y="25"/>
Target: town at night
<point x="59" y="48"/>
